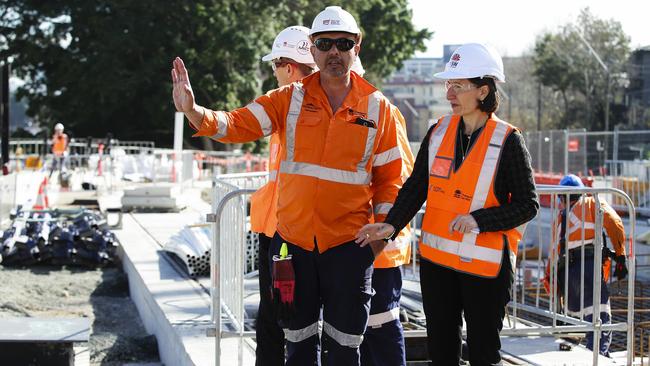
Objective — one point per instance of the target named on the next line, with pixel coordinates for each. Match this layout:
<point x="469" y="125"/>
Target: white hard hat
<point x="293" y="42"/>
<point x="358" y="67"/>
<point x="473" y="60"/>
<point x="58" y="127"/>
<point x="334" y="19"/>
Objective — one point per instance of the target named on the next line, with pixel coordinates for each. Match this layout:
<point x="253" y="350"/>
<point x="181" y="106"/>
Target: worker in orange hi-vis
<point x="59" y="148"/>
<point x="340" y="153"/>
<point x="291" y="61"/>
<point x="577" y="222"/>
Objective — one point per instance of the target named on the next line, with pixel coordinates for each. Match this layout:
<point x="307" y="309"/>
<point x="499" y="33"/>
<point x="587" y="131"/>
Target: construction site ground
<point x="117" y="336"/>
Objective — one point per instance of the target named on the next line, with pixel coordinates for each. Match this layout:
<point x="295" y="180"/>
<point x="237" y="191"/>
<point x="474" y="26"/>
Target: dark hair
<point x="491" y="102"/>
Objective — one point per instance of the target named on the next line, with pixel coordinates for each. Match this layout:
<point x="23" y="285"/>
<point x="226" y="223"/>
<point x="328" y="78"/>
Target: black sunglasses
<point x="342" y="44"/>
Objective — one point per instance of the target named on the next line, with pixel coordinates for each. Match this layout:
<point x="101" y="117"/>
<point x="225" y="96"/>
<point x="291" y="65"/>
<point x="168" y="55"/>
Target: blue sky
<point x="511" y="26"/>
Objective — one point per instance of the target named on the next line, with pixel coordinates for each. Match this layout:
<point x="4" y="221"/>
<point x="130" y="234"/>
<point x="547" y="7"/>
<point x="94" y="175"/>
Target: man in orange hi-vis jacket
<point x="340" y="153"/>
<point x="291" y="61"/>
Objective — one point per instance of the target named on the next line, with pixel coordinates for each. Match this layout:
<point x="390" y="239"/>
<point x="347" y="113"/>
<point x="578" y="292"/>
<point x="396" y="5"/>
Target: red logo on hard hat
<point x="455" y="57"/>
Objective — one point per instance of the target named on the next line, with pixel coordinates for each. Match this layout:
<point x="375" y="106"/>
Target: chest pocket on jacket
<point x="347" y="144"/>
<point x="309" y="137"/>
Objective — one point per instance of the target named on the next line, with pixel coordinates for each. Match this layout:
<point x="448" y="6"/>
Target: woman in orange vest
<point x="473" y="170"/>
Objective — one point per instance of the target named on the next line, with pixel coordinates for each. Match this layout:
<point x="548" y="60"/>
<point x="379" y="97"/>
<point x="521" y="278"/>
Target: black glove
<point x="620" y="271"/>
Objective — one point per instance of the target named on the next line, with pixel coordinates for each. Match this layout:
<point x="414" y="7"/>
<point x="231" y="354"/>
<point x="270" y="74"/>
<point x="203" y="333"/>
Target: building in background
<point x="416" y="93"/>
<point x="638" y="91"/>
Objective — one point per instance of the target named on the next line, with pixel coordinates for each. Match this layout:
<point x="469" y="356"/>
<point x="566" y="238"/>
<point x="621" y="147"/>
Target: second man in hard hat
<point x="339" y="138"/>
<point x="291" y="61"/>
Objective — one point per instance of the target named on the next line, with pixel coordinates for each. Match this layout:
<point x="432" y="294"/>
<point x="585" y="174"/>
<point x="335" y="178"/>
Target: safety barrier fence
<point x="529" y="298"/>
<point x="230" y="257"/>
<point x="230" y="260"/>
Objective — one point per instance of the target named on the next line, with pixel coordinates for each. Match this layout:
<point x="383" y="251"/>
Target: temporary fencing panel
<point x="229" y="255"/>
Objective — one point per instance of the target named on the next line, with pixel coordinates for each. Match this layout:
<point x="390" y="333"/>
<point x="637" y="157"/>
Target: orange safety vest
<point x="471" y="187"/>
<point x="333" y="164"/>
<point x="59" y="143"/>
<point x="264" y="201"/>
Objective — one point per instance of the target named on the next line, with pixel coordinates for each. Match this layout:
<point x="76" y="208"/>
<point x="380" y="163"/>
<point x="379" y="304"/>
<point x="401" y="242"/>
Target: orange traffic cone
<point x="42" y="202"/>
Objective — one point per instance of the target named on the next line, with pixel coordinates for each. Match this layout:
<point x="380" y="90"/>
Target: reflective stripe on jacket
<point x="612" y="224"/>
<point x="459" y="192"/>
<point x="333" y="165"/>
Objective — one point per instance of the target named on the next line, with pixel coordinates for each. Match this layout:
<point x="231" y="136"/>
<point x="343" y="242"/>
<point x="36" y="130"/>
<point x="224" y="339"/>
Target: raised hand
<point x="182" y="92"/>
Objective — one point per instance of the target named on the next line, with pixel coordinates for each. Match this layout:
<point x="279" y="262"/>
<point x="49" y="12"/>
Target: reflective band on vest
<point x="485" y="179"/>
<point x="344" y="339"/>
<point x="436" y="139"/>
<point x="578" y="243"/>
<point x="262" y="117"/>
<point x="361" y="176"/>
<point x="273" y="174"/>
<point x="464" y="250"/>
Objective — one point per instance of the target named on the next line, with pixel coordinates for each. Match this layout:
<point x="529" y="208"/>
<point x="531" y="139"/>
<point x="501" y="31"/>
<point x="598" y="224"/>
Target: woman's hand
<point x="373" y="232"/>
<point x="464" y="224"/>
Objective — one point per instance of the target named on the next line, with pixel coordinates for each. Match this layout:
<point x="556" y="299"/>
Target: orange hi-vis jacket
<point x="576" y="224"/>
<point x="59" y="144"/>
<point x="333" y="165"/>
<point x="264" y="201"/>
<point x="612" y="224"/>
<point x="471" y="187"/>
<point x="398" y="251"/>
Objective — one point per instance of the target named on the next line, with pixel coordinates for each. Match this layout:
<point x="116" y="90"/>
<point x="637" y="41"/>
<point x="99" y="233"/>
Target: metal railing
<point x="228" y="262"/>
<point x="528" y="294"/>
<point x="529" y="297"/>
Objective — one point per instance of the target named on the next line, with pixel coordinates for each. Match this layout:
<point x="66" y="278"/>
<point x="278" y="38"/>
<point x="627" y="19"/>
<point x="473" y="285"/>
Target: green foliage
<point x="563" y="62"/>
<point x="104" y="66"/>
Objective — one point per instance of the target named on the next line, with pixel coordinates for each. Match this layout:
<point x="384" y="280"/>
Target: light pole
<point x="604" y="66"/>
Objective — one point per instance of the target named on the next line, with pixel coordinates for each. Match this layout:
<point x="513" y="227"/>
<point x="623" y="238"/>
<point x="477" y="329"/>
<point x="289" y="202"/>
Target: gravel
<point x="117" y="336"/>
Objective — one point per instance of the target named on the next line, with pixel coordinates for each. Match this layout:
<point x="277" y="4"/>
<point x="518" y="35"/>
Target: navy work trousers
<point x="383" y="343"/>
<point x="268" y="334"/>
<point x="338" y="282"/>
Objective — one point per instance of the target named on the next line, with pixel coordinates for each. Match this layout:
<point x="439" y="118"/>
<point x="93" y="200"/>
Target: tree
<point x="563" y="62"/>
<point x="103" y="66"/>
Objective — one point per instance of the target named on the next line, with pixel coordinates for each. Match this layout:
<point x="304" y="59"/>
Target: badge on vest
<point x="441" y="167"/>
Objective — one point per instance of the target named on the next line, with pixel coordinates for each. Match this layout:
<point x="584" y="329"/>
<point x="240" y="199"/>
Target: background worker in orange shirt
<point x="59" y="148"/>
<point x="340" y="153"/>
<point x="571" y="219"/>
<point x="291" y="60"/>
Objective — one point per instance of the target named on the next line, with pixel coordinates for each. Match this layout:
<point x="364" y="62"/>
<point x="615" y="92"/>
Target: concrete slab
<point x="173" y="307"/>
<point x="56" y="330"/>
